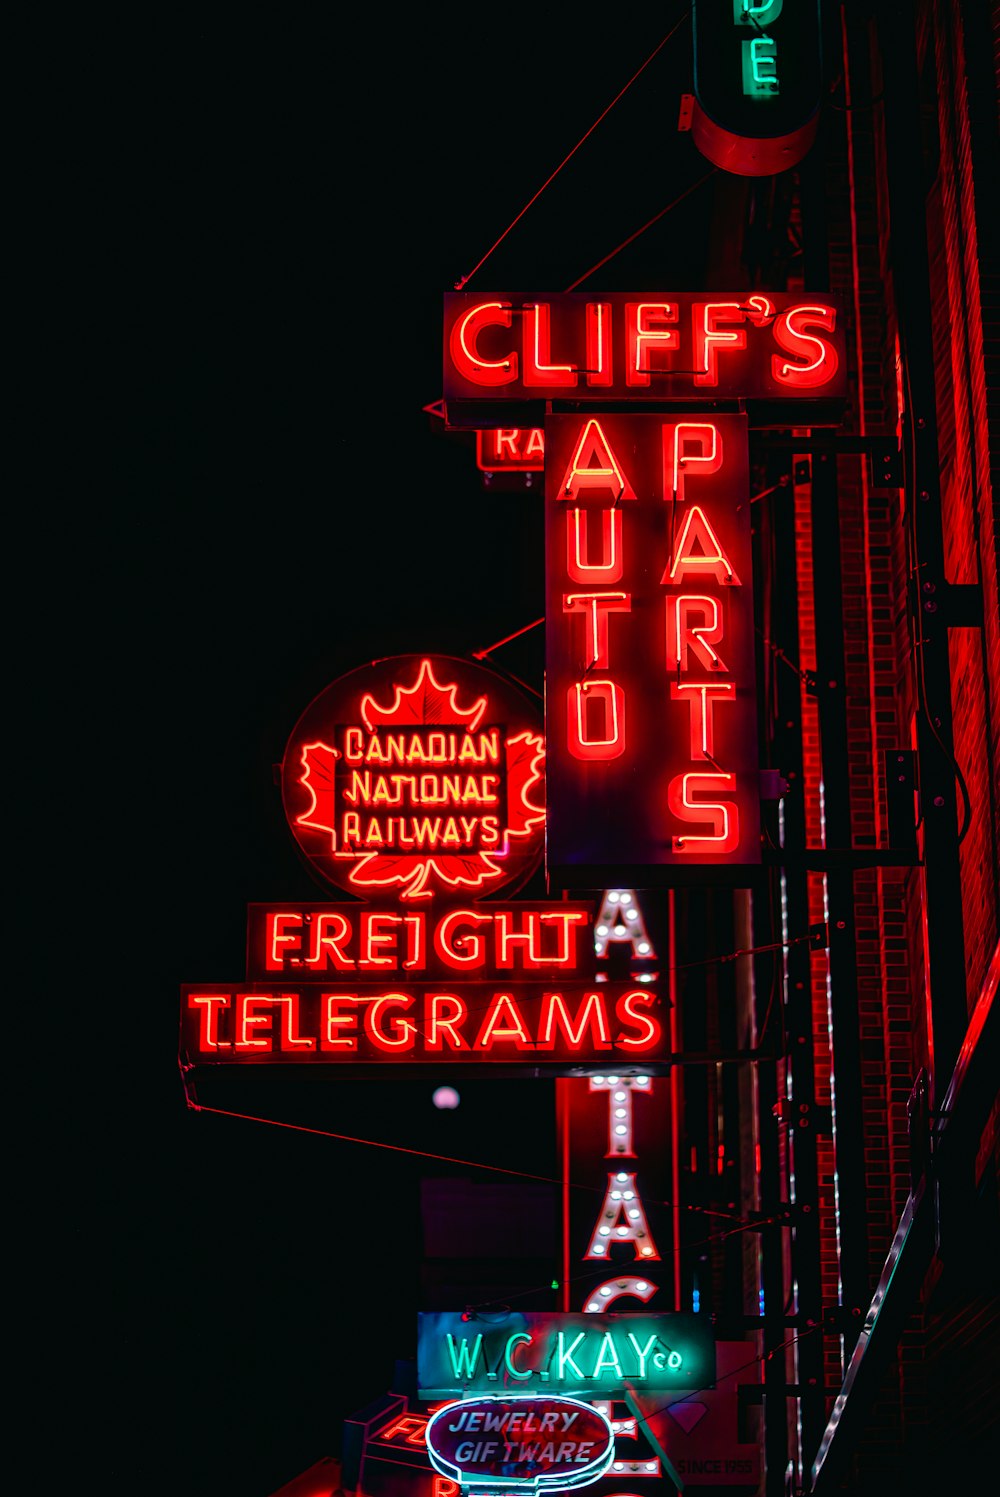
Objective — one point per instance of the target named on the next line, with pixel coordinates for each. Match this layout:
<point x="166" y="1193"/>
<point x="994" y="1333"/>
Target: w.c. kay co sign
<point x="580" y="1353"/>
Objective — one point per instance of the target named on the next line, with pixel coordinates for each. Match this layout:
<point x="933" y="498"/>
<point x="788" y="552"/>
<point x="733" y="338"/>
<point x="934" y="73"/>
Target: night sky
<point x="296" y="196"/>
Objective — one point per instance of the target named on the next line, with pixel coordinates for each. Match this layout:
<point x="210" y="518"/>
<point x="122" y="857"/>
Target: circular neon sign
<point x="421" y="776"/>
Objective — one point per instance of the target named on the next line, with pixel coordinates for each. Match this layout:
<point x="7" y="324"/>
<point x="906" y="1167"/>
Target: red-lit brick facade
<point x="891" y="590"/>
<point x="916" y="614"/>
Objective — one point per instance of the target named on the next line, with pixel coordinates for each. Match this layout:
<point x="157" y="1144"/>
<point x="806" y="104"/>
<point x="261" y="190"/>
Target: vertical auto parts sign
<point x="651" y="721"/>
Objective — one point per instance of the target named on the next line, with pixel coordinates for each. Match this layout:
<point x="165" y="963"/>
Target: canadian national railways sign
<point x="419" y="777"/>
<point x="416" y="784"/>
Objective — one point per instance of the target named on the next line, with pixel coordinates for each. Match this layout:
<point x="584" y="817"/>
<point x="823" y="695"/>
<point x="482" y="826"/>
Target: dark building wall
<point x="885" y="596"/>
<point x="963" y="267"/>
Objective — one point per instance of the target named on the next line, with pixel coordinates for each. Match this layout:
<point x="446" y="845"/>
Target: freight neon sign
<point x="506" y="347"/>
<point x="467" y="942"/>
<point x="510" y="987"/>
<point x="417" y="775"/>
<point x="589" y="1355"/>
<point x="650" y="679"/>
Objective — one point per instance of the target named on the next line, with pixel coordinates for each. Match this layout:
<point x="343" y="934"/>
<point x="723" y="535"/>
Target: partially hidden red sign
<point x="511" y="449"/>
<point x="651" y="724"/>
<point x="418" y="777"/>
<point x="535" y="347"/>
<point x="519" y="1024"/>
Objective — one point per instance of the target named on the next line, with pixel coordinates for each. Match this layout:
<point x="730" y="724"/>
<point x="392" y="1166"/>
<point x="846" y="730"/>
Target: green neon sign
<point x="544" y="1352"/>
<point x="760" y="68"/>
<point x="758" y="82"/>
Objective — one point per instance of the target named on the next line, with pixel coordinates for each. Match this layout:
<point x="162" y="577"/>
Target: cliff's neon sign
<point x="513" y="346"/>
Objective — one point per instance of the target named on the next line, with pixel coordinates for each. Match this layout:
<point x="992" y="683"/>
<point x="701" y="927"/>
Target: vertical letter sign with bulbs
<point x="650" y="707"/>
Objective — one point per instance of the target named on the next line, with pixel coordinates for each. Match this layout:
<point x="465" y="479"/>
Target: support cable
<point x="626" y="242"/>
<point x="742" y="1223"/>
<point x="482" y="654"/>
<point x="464" y="280"/>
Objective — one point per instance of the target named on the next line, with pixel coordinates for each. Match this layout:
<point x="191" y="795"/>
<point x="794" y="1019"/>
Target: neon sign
<point x="757" y="81"/>
<point x="509" y="986"/>
<point x="464" y="942"/>
<point x="531" y="1442"/>
<point x="511" y="449"/>
<point x="589" y="1355"/>
<point x="669" y="346"/>
<point x="346" y="1023"/>
<point x="385" y="1452"/>
<point x="598" y="1122"/>
<point x="421" y="776"/>
<point x="650" y="682"/>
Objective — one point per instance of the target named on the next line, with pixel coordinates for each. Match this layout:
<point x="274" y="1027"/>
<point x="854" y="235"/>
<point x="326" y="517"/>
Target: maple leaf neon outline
<point x="528" y="764"/>
<point x="321" y="812"/>
<point x="380" y="869"/>
<point x="482" y="864"/>
<point x="372" y="714"/>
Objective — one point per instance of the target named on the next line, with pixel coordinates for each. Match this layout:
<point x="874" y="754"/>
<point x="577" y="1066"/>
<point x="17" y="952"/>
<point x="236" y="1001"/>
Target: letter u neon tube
<point x="613" y="697"/>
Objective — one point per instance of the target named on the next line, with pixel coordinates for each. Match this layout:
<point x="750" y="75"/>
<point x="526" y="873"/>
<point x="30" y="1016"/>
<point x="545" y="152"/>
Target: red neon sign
<point x="514" y="346"/>
<point x="361" y="1025"/>
<point x="418" y="776"/>
<point x="650" y="695"/>
<point x="511" y="449"/>
<point x="464" y="942"/>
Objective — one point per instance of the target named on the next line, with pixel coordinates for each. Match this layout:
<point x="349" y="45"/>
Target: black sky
<point x="293" y="197"/>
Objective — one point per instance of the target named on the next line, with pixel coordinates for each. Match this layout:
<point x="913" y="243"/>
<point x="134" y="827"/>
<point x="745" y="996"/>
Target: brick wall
<point x="882" y="702"/>
<point x="964" y="281"/>
<point x="812" y="773"/>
